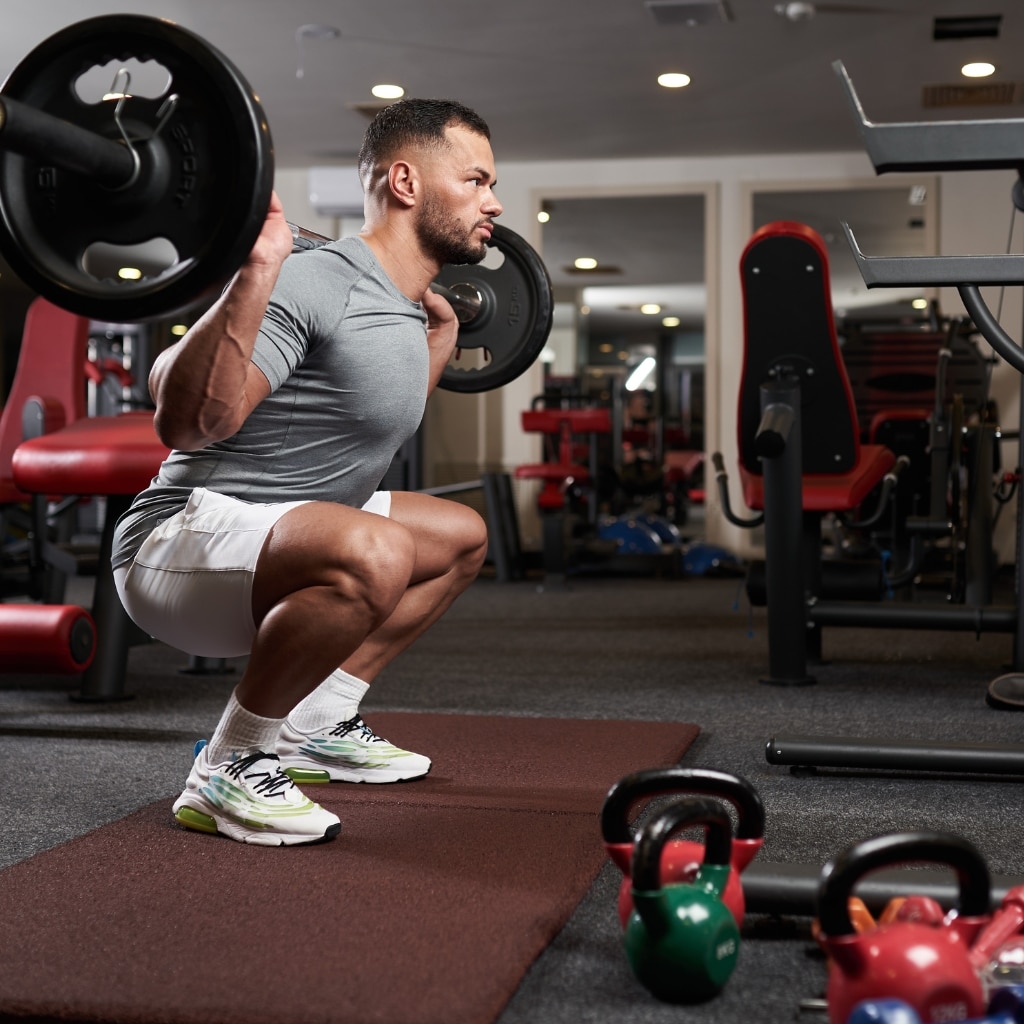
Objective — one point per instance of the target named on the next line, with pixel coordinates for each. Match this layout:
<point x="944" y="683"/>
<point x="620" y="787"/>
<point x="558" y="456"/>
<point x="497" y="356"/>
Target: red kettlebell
<point x="681" y="858"/>
<point x="927" y="966"/>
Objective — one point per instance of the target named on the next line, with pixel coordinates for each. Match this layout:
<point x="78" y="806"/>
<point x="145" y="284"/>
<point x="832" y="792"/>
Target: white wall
<point x="973" y="215"/>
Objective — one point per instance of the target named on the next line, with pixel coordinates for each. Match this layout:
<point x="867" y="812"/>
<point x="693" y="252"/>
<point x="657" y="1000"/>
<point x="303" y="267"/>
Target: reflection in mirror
<point x="629" y="283"/>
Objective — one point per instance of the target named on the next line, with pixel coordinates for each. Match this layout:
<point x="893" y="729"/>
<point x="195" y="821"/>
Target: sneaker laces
<point x="357" y="724"/>
<point x="272" y="784"/>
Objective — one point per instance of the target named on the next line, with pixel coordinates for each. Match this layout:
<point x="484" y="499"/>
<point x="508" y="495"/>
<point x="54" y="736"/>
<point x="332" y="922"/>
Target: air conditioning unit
<point x="336" y="191"/>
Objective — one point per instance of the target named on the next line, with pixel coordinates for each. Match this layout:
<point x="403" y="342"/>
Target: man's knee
<point x="378" y="558"/>
<point x="467" y="540"/>
<point x="476" y="539"/>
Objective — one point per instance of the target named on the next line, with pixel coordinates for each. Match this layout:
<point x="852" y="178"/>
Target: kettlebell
<point x="924" y="964"/>
<point x="682" y="857"/>
<point x="681" y="940"/>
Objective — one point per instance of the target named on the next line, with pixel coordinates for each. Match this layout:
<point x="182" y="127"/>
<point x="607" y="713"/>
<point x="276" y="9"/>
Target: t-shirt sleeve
<point x="283" y="338"/>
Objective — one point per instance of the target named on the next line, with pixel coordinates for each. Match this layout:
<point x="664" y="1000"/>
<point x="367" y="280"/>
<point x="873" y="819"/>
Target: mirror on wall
<point x="629" y="282"/>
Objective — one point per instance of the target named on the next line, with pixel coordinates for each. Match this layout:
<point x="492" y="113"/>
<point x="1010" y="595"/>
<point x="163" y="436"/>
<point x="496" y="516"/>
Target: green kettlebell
<point x="681" y="940"/>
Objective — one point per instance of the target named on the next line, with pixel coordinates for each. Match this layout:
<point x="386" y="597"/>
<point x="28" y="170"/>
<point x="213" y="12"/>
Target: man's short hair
<point x="414" y="122"/>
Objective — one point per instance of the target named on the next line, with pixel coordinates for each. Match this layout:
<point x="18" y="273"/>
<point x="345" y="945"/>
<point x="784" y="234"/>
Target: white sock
<point x="240" y="732"/>
<point x="335" y="700"/>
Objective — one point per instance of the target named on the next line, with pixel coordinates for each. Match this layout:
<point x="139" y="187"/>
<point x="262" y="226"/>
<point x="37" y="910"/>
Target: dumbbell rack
<point x="935" y="146"/>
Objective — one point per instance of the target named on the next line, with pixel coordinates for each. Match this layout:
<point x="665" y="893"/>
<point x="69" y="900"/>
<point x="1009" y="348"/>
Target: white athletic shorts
<point x="190" y="585"/>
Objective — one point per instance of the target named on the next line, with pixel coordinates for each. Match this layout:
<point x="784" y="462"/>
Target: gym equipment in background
<point x="937" y="146"/>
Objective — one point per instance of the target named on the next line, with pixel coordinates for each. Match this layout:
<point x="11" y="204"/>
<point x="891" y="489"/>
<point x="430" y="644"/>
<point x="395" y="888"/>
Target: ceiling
<point x="576" y="79"/>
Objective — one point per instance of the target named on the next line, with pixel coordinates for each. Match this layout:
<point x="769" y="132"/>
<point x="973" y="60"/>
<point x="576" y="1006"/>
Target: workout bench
<point x="48" y="390"/>
<point x="560" y="472"/>
<point x="114" y="457"/>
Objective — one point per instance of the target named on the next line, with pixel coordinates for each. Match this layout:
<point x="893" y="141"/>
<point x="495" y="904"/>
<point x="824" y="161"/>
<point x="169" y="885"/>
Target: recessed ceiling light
<point x="388" y="92"/>
<point x="650" y="308"/>
<point x="543" y="216"/>
<point x="979" y="69"/>
<point x="673" y="80"/>
<point x="920" y="303"/>
<point x="585" y="263"/>
<point x="670" y="321"/>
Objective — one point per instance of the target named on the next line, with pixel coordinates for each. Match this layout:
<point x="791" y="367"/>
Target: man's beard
<point x="443" y="238"/>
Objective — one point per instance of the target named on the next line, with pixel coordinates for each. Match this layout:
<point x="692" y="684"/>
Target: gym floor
<point x="611" y="647"/>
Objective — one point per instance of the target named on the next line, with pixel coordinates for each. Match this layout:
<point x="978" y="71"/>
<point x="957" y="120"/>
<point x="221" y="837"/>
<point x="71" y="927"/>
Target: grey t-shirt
<point x="347" y="360"/>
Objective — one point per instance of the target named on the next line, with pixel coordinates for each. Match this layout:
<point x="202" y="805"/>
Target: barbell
<point x="190" y="171"/>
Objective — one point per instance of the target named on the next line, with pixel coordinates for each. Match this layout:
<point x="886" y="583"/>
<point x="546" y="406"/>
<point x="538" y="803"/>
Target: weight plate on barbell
<point x="204" y="184"/>
<point x="515" y="318"/>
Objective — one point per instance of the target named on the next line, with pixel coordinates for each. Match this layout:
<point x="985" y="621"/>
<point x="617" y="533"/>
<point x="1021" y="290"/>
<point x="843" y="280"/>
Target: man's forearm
<point x="203" y="385"/>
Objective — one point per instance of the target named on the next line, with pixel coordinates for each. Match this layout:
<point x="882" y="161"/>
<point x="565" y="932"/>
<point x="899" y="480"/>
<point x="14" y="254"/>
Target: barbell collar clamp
<point x="37" y="134"/>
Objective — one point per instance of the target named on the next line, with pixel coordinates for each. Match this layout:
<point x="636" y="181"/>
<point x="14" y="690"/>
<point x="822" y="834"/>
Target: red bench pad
<point x="830" y="492"/>
<point x="96" y="455"/>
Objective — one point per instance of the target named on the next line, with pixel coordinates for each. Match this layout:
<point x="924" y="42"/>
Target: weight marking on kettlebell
<point x="942" y="1012"/>
<point x="724" y="949"/>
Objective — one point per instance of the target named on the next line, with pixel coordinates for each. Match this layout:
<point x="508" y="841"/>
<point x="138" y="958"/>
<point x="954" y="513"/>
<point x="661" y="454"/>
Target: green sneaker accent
<point x="307" y="775"/>
<point x="191" y="818"/>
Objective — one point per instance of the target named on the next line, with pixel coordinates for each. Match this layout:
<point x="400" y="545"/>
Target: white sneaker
<point x="347" y="752"/>
<point x="251" y="800"/>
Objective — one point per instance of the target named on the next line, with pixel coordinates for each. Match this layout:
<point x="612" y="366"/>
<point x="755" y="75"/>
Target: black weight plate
<point x="205" y="184"/>
<point x="515" y="319"/>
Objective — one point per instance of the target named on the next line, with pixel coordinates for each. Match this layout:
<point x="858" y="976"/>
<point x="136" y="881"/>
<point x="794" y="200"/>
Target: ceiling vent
<point x="690" y="13"/>
<point x="987" y="94"/>
<point x="973" y="26"/>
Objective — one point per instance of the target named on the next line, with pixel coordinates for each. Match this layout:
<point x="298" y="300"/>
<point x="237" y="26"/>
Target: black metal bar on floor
<point x="905" y="755"/>
<point x="793" y="888"/>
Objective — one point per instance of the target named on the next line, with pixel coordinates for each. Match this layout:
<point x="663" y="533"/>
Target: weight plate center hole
<point x="128" y="264"/>
<point x="469" y="358"/>
<point x="494" y="258"/>
<point x="148" y="79"/>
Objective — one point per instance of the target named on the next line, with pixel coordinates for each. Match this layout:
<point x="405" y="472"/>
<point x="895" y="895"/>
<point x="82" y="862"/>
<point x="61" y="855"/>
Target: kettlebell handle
<point x="841" y="874"/>
<point x="712" y="815"/>
<point x="697" y="781"/>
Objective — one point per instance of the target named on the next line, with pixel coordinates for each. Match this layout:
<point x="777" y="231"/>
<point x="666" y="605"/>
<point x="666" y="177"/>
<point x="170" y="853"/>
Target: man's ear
<point x="404" y="183"/>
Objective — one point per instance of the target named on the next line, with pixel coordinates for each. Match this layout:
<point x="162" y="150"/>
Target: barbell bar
<point x="30" y="132"/>
<point x="191" y="168"/>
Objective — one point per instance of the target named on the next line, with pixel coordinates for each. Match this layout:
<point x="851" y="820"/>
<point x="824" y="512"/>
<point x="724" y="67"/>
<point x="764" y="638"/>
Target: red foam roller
<point x="46" y="638"/>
